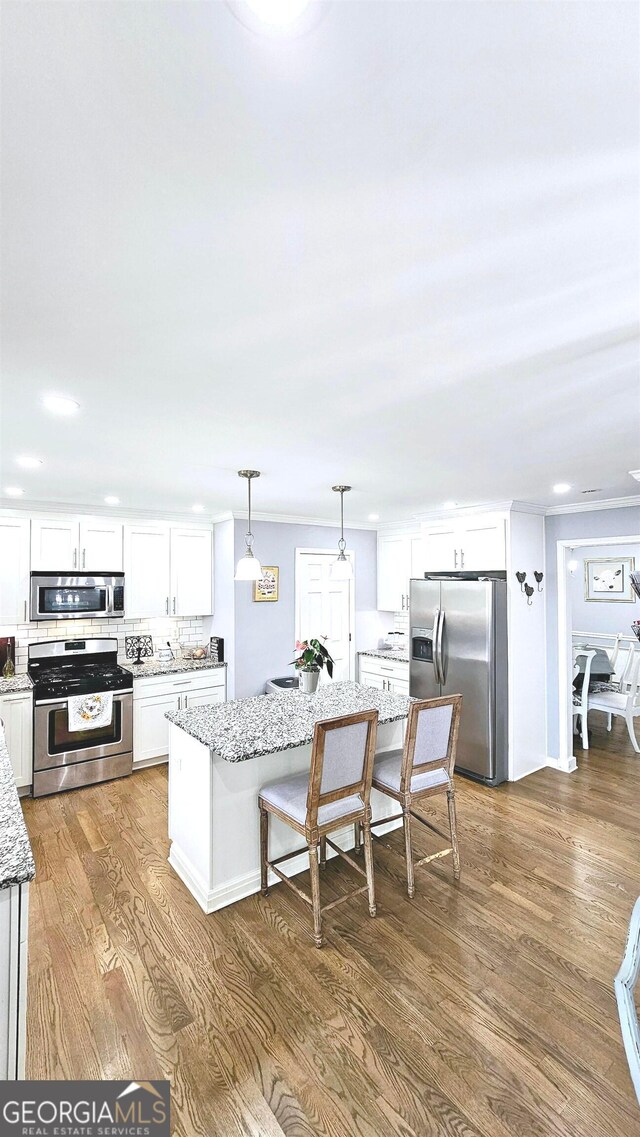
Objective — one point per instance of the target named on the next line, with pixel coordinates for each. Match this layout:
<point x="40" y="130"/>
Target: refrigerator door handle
<point x="439" y="637"/>
<point x="437" y="616"/>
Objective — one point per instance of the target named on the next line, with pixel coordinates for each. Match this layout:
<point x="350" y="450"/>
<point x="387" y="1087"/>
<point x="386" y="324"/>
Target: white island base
<point x="214" y="820"/>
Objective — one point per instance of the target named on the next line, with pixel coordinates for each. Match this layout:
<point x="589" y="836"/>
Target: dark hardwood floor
<point x="482" y="1008"/>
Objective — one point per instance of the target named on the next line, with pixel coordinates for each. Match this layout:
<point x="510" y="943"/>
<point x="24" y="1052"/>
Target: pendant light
<point x="248" y="567"/>
<point x="341" y="568"/>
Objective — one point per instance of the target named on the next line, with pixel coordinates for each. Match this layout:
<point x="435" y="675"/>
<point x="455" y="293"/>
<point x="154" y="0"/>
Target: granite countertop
<point x="153" y="667"/>
<point x="399" y="656"/>
<point x="265" y="724"/>
<point x="18" y="683"/>
<point x="16" y="858"/>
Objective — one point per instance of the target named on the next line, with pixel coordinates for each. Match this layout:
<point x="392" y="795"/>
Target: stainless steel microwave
<point x="63" y="596"/>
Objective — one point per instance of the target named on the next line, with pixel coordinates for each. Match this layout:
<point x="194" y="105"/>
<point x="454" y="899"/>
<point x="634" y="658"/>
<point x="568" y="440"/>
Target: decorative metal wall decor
<point x="137" y="648"/>
<point x="539" y="576"/>
<point x="529" y="590"/>
<point x="521" y="577"/>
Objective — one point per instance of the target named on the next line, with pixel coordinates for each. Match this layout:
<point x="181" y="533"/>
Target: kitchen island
<point x="220" y="756"/>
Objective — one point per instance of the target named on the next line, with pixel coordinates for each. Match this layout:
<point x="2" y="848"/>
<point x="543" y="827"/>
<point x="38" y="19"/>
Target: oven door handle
<point x="63" y="702"/>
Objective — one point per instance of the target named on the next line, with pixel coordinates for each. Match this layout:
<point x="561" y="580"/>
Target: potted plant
<point x="313" y="657"/>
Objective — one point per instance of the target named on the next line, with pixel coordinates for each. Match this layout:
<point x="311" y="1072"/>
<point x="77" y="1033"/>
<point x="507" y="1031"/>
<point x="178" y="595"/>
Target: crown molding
<point x="295" y="519"/>
<point x="64" y="509"/>
<point x="590" y="506"/>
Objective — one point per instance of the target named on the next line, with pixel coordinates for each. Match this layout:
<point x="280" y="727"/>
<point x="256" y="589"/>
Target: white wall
<point x="527" y="648"/>
<point x="611" y="616"/>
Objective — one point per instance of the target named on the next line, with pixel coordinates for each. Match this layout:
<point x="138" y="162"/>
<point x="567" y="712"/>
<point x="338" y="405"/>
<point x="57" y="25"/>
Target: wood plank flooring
<point x="482" y="1009"/>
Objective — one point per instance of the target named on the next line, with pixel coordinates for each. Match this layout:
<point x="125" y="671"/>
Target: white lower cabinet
<point x="16" y="712"/>
<point x="154" y="697"/>
<point x="14" y="910"/>
<point x="386" y="675"/>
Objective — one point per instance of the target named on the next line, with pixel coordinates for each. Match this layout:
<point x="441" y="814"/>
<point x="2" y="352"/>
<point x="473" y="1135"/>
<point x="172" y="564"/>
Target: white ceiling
<point x="399" y="251"/>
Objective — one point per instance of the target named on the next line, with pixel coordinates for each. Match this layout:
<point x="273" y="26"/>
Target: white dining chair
<point x="581" y="698"/>
<point x="625" y="702"/>
<point x="624" y="985"/>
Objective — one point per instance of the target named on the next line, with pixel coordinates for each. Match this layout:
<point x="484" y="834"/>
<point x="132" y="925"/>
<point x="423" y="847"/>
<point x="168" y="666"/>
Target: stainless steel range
<point x="65" y="758"/>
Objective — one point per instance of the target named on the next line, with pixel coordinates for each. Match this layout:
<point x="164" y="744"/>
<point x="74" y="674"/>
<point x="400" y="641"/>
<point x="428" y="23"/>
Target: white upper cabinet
<point x="401" y="557"/>
<point x="54" y="545"/>
<point x="191" y="572"/>
<point x="100" y="548"/>
<point x="473" y="543"/>
<point x="483" y="544"/>
<point x="14" y="569"/>
<point x="146" y="570"/>
<point x="168" y="571"/>
<point x="441" y="549"/>
<point x="394" y="558"/>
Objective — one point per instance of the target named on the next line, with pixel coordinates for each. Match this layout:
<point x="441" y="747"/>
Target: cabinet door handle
<point x="174" y="605"/>
<point x="455" y="558"/>
<point x="186" y="702"/>
<point x="166" y="606"/>
<point x="403" y="601"/>
<point x="84" y="557"/>
<point x="462" y="558"/>
<point x="75" y="558"/>
<point x="25" y="611"/>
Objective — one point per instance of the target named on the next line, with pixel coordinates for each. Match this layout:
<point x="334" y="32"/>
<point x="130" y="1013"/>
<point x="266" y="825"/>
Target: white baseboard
<point x="241" y="886"/>
<point x="145" y="762"/>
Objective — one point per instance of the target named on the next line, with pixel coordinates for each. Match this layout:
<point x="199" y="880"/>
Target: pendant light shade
<point x="341" y="568"/>
<point x="248" y="567"/>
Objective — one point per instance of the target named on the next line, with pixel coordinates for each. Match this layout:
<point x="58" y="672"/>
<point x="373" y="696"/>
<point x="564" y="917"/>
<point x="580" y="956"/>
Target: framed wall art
<point x="267" y="587"/>
<point x="609" y="578"/>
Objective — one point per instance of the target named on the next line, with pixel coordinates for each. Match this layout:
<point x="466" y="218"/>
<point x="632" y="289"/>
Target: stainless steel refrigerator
<point x="458" y="645"/>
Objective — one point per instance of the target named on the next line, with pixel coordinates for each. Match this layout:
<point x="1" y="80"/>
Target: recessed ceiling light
<point x="198" y="508"/>
<point x="13" y="491"/>
<point x="279" y="13"/>
<point x="450" y="505"/>
<point x="28" y="463"/>
<point x="374" y="517"/>
<point x="60" y="404"/>
<point x="561" y="487"/>
<point x="111" y="500"/>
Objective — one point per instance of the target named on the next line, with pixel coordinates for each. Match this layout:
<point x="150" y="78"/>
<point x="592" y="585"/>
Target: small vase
<point x="309" y="679"/>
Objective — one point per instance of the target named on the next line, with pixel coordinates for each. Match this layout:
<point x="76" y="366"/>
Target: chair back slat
<point x="341" y="760"/>
<point x="431" y="739"/>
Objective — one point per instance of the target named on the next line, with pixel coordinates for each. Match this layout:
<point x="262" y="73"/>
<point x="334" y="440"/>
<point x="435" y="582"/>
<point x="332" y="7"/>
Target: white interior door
<point x="324" y="607"/>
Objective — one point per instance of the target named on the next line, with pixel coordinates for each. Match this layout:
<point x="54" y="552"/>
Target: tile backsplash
<point x="175" y="629"/>
<point x="401" y="622"/>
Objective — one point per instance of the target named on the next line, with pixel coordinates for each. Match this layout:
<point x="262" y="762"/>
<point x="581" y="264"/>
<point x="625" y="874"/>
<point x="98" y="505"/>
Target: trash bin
<point x="285" y="683"/>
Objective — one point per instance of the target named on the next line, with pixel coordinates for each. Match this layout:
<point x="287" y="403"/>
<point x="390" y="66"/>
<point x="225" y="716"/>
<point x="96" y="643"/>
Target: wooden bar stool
<point x="423" y="768"/>
<point x="335" y="793"/>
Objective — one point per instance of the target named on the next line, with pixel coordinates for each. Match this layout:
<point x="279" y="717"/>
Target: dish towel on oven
<point x="87" y="712"/>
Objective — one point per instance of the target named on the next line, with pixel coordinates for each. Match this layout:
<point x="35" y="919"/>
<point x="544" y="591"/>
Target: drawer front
<point x="393" y="669"/>
<point x="178" y="683"/>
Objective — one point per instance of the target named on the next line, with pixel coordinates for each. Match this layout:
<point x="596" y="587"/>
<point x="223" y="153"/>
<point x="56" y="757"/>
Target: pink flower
<point x="301" y="645"/>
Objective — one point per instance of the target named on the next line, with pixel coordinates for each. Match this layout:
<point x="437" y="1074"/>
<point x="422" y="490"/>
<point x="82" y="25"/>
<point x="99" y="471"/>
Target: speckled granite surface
<point x="394" y="656"/>
<point x="18" y="683"/>
<point x="16" y="858"/>
<point x="173" y="667"/>
<point x="248" y="728"/>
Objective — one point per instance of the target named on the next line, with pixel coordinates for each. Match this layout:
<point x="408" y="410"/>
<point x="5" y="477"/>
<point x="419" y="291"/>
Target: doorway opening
<point x="598" y="653"/>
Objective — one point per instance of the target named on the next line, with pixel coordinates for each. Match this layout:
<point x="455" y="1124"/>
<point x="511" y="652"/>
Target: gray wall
<point x="565" y="527"/>
<point x="264" y="633"/>
<point x="604" y="616"/>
